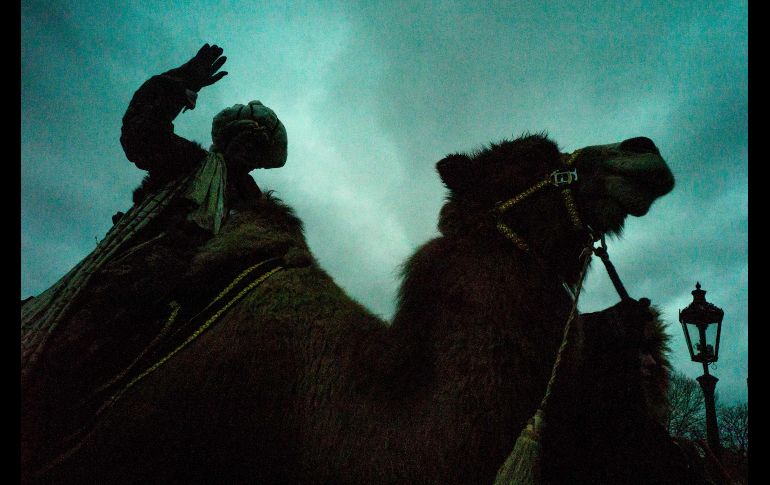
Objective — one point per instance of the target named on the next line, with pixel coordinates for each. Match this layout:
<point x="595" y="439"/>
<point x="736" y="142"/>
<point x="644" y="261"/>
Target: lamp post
<point x="702" y="325"/>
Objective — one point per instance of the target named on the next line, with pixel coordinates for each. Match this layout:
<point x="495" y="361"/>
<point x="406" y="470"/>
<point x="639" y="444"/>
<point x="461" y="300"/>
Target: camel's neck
<point x="555" y="246"/>
<point x="460" y="299"/>
<point x="477" y="271"/>
<point x="471" y="320"/>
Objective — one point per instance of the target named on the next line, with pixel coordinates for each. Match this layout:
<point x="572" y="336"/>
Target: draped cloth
<point x="207" y="190"/>
<point x="205" y="187"/>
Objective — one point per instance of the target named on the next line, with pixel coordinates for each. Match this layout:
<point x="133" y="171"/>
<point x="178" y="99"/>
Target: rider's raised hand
<point x="201" y="70"/>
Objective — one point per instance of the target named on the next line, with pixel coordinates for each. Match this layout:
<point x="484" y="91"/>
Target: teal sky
<point x="373" y="94"/>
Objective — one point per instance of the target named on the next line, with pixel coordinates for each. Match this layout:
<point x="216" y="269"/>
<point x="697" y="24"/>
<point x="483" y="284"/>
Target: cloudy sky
<point x="373" y="94"/>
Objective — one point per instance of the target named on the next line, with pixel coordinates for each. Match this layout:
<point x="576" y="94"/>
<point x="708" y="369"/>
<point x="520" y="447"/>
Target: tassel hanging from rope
<point x="524" y="465"/>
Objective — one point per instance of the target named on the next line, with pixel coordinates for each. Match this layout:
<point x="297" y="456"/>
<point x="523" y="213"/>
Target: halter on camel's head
<point x="598" y="186"/>
<point x="560" y="179"/>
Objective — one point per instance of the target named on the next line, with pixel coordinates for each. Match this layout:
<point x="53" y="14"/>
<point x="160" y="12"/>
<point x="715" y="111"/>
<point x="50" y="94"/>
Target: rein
<point x="585" y="257"/>
<point x="601" y="251"/>
<point x="524" y="464"/>
<point x="538" y="420"/>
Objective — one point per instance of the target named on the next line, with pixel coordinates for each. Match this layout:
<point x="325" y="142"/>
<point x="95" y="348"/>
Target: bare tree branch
<point x="686" y="408"/>
<point x="734" y="426"/>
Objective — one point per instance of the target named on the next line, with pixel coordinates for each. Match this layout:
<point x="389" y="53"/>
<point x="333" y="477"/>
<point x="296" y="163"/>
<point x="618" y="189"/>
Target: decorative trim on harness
<point x="558" y="178"/>
<point x="236" y="290"/>
<point x="242" y="284"/>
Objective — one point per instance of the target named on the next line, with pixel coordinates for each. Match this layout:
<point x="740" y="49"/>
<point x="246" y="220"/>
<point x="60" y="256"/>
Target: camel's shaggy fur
<point x="298" y="383"/>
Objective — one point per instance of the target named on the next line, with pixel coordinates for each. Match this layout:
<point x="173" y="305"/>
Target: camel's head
<point x="612" y="182"/>
<point x="620" y="179"/>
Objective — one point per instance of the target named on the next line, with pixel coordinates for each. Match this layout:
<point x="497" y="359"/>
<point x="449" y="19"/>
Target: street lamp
<point x="702" y="325"/>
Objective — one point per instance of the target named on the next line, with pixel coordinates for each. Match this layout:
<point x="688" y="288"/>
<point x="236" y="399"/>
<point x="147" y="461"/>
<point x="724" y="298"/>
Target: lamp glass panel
<point x="694" y="338"/>
<point x="711" y="340"/>
<point x="703" y="349"/>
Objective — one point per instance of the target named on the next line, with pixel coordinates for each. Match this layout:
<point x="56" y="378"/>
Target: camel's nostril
<point x="639" y="144"/>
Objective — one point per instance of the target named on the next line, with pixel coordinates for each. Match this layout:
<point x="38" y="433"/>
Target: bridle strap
<point x="585" y="259"/>
<point x="601" y="251"/>
<point x="556" y="178"/>
<point x="560" y="179"/>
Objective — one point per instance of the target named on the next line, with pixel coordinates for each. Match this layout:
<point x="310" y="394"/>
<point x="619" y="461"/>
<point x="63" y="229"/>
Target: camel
<point x="298" y="383"/>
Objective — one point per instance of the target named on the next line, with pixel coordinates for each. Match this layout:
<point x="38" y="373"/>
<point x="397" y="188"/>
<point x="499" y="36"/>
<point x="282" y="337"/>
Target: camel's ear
<point x="455" y="171"/>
